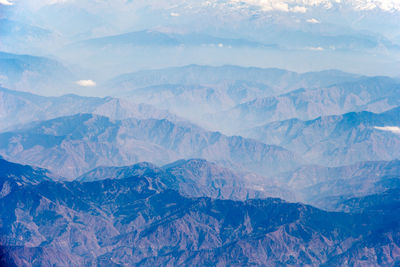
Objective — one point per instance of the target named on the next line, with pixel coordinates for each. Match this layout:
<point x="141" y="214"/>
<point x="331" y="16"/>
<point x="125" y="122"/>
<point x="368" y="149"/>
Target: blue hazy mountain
<point x="194" y="91"/>
<point x="148" y="38"/>
<point x="328" y="187"/>
<point x="34" y="74"/>
<point x="206" y="122"/>
<point x="73" y="145"/>
<point x="17" y="108"/>
<point x="375" y="94"/>
<point x="139" y="220"/>
<point x="337" y="140"/>
<point x="197" y="178"/>
<point x="277" y="79"/>
<point x="20" y="37"/>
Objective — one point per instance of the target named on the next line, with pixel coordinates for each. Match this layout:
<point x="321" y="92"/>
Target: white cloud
<point x="313" y="21"/>
<point x="5" y="3"/>
<point x="86" y="83"/>
<point x="174" y="14"/>
<point x="393" y="129"/>
<point x="318" y="48"/>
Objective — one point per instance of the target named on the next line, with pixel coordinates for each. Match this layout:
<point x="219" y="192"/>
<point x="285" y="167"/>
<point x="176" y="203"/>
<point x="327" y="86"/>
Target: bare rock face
<point x="139" y="220"/>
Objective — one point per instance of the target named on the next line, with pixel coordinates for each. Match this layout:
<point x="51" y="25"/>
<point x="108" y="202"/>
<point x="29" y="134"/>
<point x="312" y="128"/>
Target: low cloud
<point x="172" y="14"/>
<point x="313" y="21"/>
<point x="86" y="83"/>
<point x="5" y="3"/>
<point x="392" y="129"/>
<point x="318" y="48"/>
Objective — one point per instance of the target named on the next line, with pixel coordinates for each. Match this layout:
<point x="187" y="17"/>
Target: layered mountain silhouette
<point x="276" y="80"/>
<point x="72" y="145"/>
<point x="18" y="108"/>
<point x="337" y="140"/>
<point x="327" y="187"/>
<point x="375" y="94"/>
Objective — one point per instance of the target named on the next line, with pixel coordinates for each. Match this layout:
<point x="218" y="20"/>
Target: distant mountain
<point x="276" y="80"/>
<point x="197" y="178"/>
<point x="20" y="37"/>
<point x="139" y="221"/>
<point x="193" y="101"/>
<point x="327" y="187"/>
<point x="376" y="94"/>
<point x="157" y="38"/>
<point x="196" y="91"/>
<point x="34" y="74"/>
<point x="19" y="107"/>
<point x="337" y="140"/>
<point x="73" y="145"/>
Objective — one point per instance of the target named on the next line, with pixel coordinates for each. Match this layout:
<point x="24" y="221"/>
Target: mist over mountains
<point x="199" y="133"/>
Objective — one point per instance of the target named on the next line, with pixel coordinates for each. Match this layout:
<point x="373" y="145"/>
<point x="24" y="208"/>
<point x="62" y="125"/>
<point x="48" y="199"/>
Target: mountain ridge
<point x="78" y="143"/>
<point x="140" y="218"/>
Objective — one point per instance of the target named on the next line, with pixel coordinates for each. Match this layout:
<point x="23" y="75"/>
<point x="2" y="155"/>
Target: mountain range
<point x="196" y="91"/>
<point x="337" y="140"/>
<point x="376" y="94"/>
<point x="18" y="108"/>
<point x="329" y="187"/>
<point x="140" y="220"/>
<point x="34" y="74"/>
<point x="197" y="178"/>
<point x="199" y="133"/>
<point x="72" y="145"/>
<point x="277" y="80"/>
<point x="148" y="38"/>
